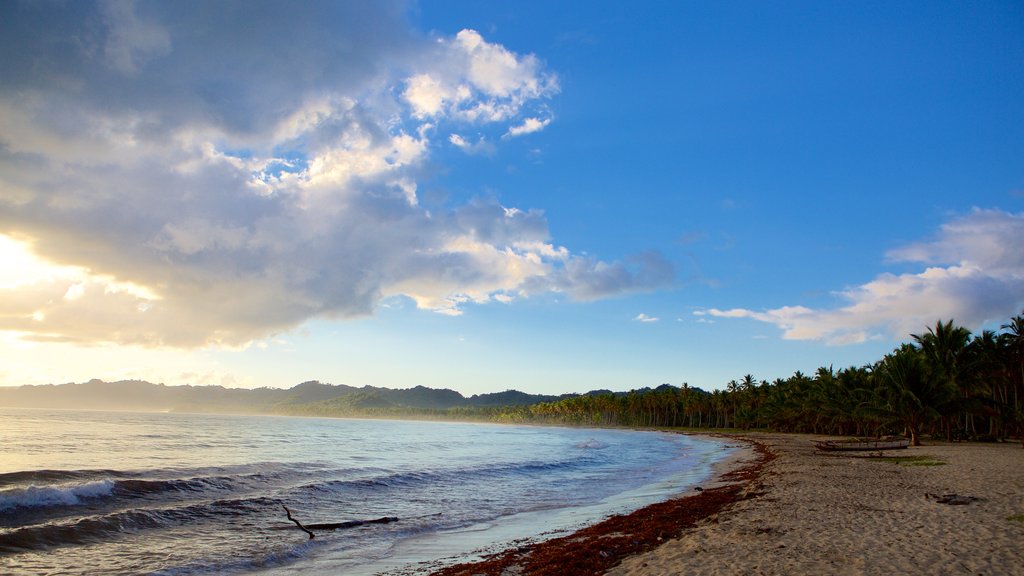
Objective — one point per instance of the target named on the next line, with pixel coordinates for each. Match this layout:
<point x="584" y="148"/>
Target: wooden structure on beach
<point x="862" y="445"/>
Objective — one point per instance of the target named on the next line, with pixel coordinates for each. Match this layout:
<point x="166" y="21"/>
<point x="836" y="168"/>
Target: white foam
<point x="56" y="495"/>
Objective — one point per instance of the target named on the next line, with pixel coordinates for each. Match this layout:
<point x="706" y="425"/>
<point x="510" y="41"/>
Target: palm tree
<point x="1015" y="333"/>
<point x="990" y="378"/>
<point x="1015" y="337"/>
<point x="911" y="394"/>
<point x="944" y="344"/>
<point x="945" y="348"/>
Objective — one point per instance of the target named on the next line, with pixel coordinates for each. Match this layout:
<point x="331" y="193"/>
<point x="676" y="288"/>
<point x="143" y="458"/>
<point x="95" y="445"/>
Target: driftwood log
<point x="335" y="525"/>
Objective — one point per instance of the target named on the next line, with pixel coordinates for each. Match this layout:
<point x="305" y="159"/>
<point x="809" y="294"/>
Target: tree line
<point x="947" y="383"/>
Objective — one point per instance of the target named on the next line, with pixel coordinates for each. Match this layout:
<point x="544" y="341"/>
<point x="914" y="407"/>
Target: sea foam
<point x="56" y="495"/>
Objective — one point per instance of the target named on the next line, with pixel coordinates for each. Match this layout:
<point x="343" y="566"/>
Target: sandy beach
<point x="779" y="506"/>
<point x="844" y="513"/>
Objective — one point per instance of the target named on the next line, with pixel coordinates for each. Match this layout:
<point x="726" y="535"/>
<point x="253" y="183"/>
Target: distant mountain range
<point x="307" y="398"/>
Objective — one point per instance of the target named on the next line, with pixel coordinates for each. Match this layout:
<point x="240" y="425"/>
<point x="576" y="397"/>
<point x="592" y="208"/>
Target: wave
<point x="53" y="476"/>
<point x="268" y="560"/>
<point x="57" y="495"/>
<point x="412" y="480"/>
<point x="255" y="470"/>
<point x="48" y="488"/>
<point x="103" y="527"/>
<point x="125" y="502"/>
<point x="74" y="494"/>
<point x="142" y="487"/>
<point x="51" y="492"/>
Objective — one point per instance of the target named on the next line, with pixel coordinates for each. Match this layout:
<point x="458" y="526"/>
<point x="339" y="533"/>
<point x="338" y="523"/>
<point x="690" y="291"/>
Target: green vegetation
<point x="947" y="384"/>
<point x="1016" y="518"/>
<point x="920" y="460"/>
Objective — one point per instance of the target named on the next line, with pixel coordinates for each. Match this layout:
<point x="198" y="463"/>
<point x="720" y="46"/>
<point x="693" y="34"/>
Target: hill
<point x="307" y="397"/>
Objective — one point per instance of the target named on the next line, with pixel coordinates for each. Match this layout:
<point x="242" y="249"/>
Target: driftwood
<point x="336" y="525"/>
<point x="952" y="499"/>
<point x="351" y="523"/>
<point x="297" y="523"/>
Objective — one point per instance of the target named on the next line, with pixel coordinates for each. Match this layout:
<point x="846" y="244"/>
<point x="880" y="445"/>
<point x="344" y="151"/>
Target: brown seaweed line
<point x="596" y="549"/>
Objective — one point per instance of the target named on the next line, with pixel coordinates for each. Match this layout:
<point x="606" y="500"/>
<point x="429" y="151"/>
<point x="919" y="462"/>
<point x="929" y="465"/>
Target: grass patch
<point x="1017" y="518"/>
<point x="917" y="460"/>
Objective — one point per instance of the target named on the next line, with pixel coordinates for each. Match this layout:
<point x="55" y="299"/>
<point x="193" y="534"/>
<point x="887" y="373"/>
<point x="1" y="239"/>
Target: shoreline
<point x="601" y="546"/>
<point x="781" y="507"/>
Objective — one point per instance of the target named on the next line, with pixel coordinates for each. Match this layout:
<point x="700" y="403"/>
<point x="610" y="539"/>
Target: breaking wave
<point x="57" y="495"/>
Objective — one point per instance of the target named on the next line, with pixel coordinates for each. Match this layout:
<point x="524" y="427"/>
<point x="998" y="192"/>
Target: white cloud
<point x="427" y="95"/>
<point x="475" y="81"/>
<point x="497" y="71"/>
<point x="177" y="178"/>
<point x="644" y="318"/>
<point x="528" y="126"/>
<point x="977" y="277"/>
<point x="362" y="157"/>
<point x="481" y="146"/>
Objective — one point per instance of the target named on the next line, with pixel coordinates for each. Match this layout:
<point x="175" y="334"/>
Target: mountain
<point x="310" y="397"/>
<point x="511" y="398"/>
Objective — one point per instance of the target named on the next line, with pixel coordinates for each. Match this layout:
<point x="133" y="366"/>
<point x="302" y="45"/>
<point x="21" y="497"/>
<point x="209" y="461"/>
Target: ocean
<point x="181" y="494"/>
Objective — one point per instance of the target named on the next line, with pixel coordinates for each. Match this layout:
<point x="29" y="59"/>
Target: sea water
<point x="144" y="493"/>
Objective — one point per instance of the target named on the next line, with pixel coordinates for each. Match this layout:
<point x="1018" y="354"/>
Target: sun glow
<point x="22" y="267"/>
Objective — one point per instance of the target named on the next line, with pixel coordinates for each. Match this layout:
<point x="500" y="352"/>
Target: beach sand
<point x="845" y="513"/>
<point x="780" y="506"/>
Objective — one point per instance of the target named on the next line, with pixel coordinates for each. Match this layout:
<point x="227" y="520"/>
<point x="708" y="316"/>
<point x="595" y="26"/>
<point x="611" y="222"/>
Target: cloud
<point x="130" y="40"/>
<point x="529" y="126"/>
<point x="476" y="81"/>
<point x="645" y="318"/>
<point x="181" y="177"/>
<point x="585" y="278"/>
<point x="481" y="146"/>
<point x="974" y="273"/>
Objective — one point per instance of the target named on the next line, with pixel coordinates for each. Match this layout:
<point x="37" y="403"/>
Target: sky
<point x="544" y="196"/>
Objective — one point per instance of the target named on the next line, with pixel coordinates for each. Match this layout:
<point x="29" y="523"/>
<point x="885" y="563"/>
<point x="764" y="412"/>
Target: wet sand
<point x="598" y="548"/>
<point x="783" y="507"/>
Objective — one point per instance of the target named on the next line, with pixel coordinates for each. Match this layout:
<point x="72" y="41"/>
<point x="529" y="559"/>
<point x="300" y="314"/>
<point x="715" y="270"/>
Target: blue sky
<point x="552" y="197"/>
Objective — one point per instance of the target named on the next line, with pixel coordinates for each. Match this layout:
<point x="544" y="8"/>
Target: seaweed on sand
<point x="597" y="548"/>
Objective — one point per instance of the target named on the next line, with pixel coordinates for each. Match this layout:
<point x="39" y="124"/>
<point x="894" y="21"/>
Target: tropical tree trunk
<point x="915" y="435"/>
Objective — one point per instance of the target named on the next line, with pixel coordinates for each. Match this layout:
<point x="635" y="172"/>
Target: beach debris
<point x="352" y="523"/>
<point x="598" y="548"/>
<point x="297" y="523"/>
<point x="336" y="525"/>
<point x="951" y="499"/>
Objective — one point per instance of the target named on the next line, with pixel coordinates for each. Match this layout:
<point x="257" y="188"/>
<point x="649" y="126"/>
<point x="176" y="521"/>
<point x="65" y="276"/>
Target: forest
<point x="947" y="383"/>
